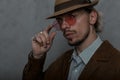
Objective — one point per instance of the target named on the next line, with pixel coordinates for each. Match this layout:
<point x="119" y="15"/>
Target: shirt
<point x="79" y="61"/>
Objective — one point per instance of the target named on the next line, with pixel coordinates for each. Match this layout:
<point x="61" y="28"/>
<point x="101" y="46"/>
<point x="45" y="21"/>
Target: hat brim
<point x="72" y="8"/>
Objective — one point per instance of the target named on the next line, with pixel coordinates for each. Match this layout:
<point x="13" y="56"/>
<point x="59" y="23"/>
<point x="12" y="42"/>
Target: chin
<point x="77" y="43"/>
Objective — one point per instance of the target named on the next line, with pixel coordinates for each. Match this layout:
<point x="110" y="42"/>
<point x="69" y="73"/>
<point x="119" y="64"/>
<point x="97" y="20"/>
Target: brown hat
<point x="64" y="6"/>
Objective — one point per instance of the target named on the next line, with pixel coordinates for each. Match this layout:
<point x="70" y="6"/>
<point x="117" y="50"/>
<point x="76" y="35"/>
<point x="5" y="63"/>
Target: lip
<point x="69" y="35"/>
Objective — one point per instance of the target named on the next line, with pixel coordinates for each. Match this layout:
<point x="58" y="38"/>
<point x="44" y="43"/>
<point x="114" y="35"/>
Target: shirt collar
<point x="86" y="54"/>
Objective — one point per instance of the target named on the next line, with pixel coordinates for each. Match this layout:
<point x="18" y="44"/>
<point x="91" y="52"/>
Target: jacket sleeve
<point x="33" y="70"/>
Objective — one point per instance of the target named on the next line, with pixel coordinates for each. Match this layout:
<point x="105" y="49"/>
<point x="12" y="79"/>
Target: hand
<point x="42" y="42"/>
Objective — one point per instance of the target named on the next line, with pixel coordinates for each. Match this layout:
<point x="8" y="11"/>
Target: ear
<point x="93" y="17"/>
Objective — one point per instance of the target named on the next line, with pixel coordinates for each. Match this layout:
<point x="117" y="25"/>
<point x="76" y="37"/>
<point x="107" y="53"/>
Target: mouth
<point x="69" y="34"/>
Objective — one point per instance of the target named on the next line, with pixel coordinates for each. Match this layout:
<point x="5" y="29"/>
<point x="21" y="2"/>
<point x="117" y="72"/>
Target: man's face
<point x="75" y="26"/>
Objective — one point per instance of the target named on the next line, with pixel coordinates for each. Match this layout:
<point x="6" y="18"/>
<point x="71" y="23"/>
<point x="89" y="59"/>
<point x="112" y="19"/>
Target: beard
<point x="79" y="42"/>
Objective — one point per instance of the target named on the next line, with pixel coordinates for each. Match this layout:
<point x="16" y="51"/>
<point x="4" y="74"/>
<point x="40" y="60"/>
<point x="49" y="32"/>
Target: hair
<point x="98" y="24"/>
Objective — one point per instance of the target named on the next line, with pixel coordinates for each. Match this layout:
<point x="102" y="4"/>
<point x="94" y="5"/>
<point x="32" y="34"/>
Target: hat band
<point x="70" y="3"/>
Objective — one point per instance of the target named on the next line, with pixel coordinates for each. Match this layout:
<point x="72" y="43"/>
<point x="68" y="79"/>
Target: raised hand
<point x="42" y="42"/>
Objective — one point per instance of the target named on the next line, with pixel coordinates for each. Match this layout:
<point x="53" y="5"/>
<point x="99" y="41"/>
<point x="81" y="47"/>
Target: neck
<point x="88" y="41"/>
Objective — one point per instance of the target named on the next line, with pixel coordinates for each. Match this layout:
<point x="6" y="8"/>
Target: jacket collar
<point x="102" y="55"/>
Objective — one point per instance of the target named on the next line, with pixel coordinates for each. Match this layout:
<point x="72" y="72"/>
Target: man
<point x="91" y="58"/>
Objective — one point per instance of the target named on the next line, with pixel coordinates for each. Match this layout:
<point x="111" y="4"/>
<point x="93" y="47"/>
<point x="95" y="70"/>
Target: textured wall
<point x="21" y="19"/>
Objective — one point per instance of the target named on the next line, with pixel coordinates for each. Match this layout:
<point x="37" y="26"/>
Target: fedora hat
<point x="64" y="6"/>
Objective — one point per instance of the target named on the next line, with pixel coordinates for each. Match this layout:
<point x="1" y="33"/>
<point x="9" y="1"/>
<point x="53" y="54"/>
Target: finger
<point x="43" y="37"/>
<point x="48" y="28"/>
<point x="47" y="37"/>
<point x="37" y="40"/>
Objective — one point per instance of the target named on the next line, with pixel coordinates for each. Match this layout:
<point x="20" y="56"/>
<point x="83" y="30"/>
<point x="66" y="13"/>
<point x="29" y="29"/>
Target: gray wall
<point x="21" y="19"/>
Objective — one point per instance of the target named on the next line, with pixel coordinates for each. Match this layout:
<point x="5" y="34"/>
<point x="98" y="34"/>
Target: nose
<point x="64" y="25"/>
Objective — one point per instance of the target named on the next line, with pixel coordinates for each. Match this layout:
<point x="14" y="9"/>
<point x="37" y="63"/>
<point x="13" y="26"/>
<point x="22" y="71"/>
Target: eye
<point x="70" y="19"/>
<point x="59" y="20"/>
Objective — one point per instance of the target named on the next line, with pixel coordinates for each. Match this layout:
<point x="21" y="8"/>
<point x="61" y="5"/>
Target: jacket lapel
<point x="66" y="64"/>
<point x="102" y="55"/>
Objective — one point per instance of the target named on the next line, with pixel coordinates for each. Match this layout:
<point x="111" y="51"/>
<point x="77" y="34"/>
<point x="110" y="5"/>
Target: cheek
<point x="82" y="26"/>
<point x="83" y="22"/>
